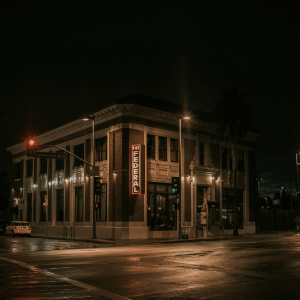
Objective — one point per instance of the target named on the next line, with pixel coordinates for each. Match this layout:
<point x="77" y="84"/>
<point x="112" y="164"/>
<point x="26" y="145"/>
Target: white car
<point x="18" y="227"/>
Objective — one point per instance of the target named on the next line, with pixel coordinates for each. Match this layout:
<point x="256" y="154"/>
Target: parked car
<point x="2" y="226"/>
<point x="18" y="227"/>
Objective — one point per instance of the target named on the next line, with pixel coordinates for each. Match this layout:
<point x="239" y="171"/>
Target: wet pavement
<point x="21" y="244"/>
<point x="265" y="266"/>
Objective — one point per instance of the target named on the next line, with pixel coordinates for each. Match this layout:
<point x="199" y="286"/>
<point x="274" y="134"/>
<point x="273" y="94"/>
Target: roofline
<point x="153" y="103"/>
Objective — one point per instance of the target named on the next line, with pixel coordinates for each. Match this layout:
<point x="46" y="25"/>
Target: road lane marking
<point x="85" y="286"/>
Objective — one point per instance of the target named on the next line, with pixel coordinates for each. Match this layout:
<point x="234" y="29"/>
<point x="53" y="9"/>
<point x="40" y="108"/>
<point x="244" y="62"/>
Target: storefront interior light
<point x="66" y="180"/>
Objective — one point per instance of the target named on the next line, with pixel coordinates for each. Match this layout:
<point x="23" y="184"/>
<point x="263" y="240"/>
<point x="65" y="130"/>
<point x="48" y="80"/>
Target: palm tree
<point x="233" y="117"/>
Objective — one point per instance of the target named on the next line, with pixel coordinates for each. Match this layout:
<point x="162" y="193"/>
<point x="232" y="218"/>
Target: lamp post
<point x="93" y="164"/>
<point x="179" y="154"/>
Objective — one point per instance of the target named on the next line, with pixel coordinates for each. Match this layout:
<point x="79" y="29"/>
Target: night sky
<point x="60" y="59"/>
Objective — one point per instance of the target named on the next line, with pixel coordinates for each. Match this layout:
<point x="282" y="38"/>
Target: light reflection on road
<point x="22" y="244"/>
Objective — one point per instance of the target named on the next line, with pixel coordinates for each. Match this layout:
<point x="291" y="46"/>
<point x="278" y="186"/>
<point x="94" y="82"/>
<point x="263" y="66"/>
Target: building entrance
<point x="161" y="207"/>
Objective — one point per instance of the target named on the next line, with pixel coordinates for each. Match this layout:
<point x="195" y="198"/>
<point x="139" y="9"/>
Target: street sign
<point x="94" y="171"/>
<point x="56" y="155"/>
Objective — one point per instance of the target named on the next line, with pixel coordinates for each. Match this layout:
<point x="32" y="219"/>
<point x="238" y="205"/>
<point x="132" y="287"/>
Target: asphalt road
<point x="250" y="268"/>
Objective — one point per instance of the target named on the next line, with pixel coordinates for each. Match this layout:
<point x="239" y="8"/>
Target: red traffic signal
<point x="97" y="185"/>
<point x="30" y="148"/>
<point x="97" y="205"/>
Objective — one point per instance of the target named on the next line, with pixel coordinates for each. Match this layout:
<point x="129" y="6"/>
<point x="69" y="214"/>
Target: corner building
<point x="56" y="195"/>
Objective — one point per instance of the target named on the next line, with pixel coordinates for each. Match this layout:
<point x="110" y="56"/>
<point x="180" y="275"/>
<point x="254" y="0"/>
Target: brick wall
<point x="136" y="202"/>
<point x="115" y="163"/>
<point x="123" y="206"/>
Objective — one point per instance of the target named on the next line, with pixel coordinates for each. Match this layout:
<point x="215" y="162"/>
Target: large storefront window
<point x="59" y="205"/>
<point x="79" y="203"/>
<point x="102" y="200"/>
<point x="228" y="208"/>
<point x="161" y="211"/>
<point x="29" y="207"/>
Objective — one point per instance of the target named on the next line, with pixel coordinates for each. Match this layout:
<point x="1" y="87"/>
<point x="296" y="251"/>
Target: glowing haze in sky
<point x="60" y="59"/>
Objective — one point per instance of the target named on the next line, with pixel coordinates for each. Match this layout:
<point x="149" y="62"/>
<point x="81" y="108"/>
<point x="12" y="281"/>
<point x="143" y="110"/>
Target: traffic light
<point x="97" y="205"/>
<point x="97" y="185"/>
<point x="30" y="148"/>
<point x="175" y="185"/>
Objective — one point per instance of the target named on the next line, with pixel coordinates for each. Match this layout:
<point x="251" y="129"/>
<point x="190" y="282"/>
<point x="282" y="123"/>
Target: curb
<point x="159" y="241"/>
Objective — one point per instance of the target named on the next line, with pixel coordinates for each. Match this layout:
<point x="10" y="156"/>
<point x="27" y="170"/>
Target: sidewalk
<point x="201" y="239"/>
<point x="261" y="234"/>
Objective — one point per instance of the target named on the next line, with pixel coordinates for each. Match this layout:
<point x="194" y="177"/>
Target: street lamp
<point x="179" y="154"/>
<point x="93" y="163"/>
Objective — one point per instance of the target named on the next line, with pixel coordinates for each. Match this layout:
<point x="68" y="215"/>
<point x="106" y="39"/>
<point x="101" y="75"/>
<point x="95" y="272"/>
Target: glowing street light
<point x="87" y="118"/>
<point x="179" y="154"/>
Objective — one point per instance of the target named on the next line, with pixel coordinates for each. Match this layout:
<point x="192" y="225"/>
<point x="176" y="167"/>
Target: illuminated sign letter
<point x="138" y="169"/>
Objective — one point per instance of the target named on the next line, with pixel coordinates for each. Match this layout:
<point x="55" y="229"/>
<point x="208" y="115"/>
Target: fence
<point x="277" y="220"/>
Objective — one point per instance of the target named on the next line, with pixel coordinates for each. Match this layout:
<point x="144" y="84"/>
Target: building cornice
<point x="119" y="110"/>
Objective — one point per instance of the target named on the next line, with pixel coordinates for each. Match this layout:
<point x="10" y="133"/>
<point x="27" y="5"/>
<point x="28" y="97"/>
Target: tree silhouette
<point x="233" y="117"/>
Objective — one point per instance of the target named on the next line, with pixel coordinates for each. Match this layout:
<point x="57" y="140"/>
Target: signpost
<point x="56" y="155"/>
<point x="94" y="171"/>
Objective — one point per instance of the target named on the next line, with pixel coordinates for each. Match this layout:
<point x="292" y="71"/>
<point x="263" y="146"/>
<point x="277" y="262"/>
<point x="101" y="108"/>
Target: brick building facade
<point x="56" y="196"/>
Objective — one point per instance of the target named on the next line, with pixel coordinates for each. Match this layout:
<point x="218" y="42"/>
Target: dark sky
<point x="60" y="59"/>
